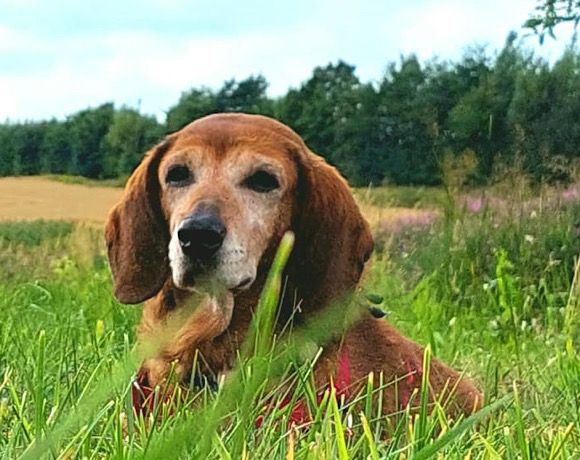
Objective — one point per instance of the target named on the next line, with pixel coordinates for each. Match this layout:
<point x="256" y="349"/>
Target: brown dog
<point x="196" y="231"/>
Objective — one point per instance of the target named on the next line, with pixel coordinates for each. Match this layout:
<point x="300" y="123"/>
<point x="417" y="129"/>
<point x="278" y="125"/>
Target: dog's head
<point x="209" y="205"/>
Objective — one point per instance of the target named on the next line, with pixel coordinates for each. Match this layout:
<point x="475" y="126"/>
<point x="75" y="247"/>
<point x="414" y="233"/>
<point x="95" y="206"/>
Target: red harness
<point x="300" y="414"/>
<point x="414" y="377"/>
<point x="143" y="396"/>
<point x="145" y="400"/>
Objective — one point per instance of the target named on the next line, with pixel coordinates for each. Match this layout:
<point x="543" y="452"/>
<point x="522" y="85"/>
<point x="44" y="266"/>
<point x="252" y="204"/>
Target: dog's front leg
<point x="183" y="332"/>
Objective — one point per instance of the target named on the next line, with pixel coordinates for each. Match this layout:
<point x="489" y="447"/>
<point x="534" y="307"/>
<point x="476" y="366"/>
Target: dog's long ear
<point x="333" y="240"/>
<point x="137" y="234"/>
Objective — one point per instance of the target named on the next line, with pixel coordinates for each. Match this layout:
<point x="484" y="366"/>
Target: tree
<point x="479" y="121"/>
<point x="544" y="104"/>
<point x="247" y="95"/>
<point x="22" y="148"/>
<point x="322" y="102"/>
<point x="192" y="104"/>
<point x="499" y="109"/>
<point x="130" y="135"/>
<point x="550" y="13"/>
<point x="405" y="123"/>
<point x="7" y="150"/>
<point x="358" y="152"/>
<point x="55" y="149"/>
<point x="88" y="129"/>
<point x="336" y="116"/>
<point x="562" y="132"/>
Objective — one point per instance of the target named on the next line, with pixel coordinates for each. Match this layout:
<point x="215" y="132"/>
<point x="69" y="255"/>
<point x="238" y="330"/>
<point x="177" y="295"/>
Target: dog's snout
<point x="201" y="235"/>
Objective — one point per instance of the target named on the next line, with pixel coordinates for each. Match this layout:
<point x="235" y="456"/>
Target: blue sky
<point x="60" y="56"/>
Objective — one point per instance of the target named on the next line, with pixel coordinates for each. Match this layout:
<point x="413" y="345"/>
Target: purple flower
<point x="571" y="193"/>
<point x="474" y="205"/>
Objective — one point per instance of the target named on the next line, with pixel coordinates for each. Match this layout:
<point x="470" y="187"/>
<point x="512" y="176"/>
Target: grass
<point x="33" y="234"/>
<point x="81" y="180"/>
<point x="402" y="196"/>
<point x="495" y="292"/>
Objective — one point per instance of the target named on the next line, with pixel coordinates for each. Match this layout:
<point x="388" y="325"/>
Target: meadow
<point x="488" y="279"/>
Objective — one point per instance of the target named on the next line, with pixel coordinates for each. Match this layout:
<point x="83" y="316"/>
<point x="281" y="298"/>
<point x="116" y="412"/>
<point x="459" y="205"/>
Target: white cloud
<point x="19" y="3"/>
<point x="128" y="67"/>
<point x="67" y="72"/>
<point x="12" y="41"/>
<point x="447" y="28"/>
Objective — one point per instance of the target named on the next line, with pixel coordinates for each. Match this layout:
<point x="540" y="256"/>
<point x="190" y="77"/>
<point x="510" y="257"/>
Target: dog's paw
<point x="164" y="369"/>
<point x="157" y="371"/>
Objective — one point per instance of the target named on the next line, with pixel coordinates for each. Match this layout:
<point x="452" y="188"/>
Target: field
<point x="488" y="279"/>
<point x="29" y="198"/>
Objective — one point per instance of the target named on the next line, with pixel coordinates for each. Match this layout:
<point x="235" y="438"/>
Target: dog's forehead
<point x="230" y="134"/>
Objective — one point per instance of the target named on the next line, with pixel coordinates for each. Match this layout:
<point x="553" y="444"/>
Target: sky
<point x="61" y="56"/>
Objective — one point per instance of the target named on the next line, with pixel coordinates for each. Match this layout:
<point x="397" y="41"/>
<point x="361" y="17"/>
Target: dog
<point x="196" y="231"/>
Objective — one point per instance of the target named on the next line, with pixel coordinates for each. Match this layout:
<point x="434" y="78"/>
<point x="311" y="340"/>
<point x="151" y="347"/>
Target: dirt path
<point x="28" y="198"/>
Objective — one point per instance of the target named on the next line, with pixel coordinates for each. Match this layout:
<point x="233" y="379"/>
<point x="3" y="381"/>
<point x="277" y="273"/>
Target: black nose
<point x="201" y="235"/>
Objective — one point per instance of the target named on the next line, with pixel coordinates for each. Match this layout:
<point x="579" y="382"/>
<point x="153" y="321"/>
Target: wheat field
<point x="29" y="198"/>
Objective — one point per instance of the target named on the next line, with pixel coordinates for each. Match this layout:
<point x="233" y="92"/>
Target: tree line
<point x="497" y="109"/>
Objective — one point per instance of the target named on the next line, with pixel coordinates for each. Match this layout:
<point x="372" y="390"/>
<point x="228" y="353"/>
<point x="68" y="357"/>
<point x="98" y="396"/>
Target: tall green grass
<point x="33" y="233"/>
<point x="479" y="293"/>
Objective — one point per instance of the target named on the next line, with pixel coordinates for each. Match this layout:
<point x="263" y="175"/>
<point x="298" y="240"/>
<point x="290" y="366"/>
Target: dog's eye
<point x="178" y="176"/>
<point x="262" y="182"/>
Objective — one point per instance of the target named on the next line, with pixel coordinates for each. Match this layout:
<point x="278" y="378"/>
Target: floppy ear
<point x="137" y="235"/>
<point x="333" y="240"/>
